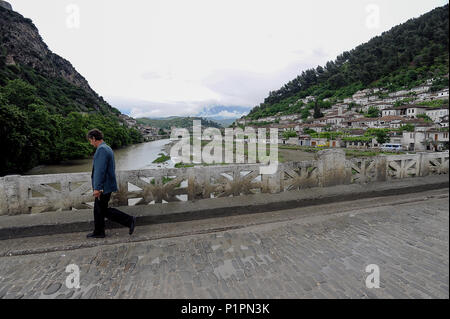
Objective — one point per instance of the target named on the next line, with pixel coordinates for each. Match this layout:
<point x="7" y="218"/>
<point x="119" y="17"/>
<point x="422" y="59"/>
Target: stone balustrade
<point x="42" y="193"/>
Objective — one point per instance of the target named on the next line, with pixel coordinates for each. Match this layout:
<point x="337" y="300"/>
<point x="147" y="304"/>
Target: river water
<point x="133" y="157"/>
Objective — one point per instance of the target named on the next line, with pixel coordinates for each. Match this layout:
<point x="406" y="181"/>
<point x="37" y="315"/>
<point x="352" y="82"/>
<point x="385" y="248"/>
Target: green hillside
<point x="46" y="106"/>
<point x="34" y="131"/>
<point x="402" y="57"/>
<point x="181" y="122"/>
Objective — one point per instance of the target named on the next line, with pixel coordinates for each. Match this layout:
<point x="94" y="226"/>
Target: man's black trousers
<point x="101" y="210"/>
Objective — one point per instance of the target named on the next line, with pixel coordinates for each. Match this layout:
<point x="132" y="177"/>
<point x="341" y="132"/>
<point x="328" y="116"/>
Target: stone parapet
<point x="61" y="192"/>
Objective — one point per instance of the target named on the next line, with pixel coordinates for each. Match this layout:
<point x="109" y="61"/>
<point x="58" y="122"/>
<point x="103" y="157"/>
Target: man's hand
<point x="97" y="193"/>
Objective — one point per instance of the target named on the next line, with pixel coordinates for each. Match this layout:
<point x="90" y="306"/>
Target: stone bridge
<point x="44" y="193"/>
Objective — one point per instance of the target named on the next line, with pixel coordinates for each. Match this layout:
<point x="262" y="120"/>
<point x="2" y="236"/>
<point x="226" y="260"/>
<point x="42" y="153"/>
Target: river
<point x="137" y="156"/>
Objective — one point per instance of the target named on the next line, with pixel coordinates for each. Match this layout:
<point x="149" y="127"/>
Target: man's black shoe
<point x="133" y="224"/>
<point x="94" y="235"/>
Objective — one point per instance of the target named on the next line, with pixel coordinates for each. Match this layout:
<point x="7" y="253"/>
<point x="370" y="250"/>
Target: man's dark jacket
<point x="103" y="170"/>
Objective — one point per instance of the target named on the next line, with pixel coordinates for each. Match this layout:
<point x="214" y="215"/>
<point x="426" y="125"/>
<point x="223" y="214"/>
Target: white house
<point x="267" y="119"/>
<point x="390" y="112"/>
<point x="362" y="144"/>
<point x="391" y="121"/>
<point x="316" y="127"/>
<point x="436" y="114"/>
<point x="321" y="120"/>
<point x="288" y="117"/>
<point x="414" y="110"/>
<point x="348" y="100"/>
<point x="398" y="93"/>
<point x="435" y="140"/>
<point x="443" y="124"/>
<point x="364" y="122"/>
<point x="414" y="141"/>
<point x="420" y="89"/>
<point x="424" y="140"/>
<point x="442" y="94"/>
<point x="380" y="105"/>
<point x="336" y="120"/>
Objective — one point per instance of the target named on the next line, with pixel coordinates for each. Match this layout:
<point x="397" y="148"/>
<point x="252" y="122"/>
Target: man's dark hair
<point x="95" y="134"/>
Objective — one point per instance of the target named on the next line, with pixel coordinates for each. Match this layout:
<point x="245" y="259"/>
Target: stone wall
<point x="40" y="193"/>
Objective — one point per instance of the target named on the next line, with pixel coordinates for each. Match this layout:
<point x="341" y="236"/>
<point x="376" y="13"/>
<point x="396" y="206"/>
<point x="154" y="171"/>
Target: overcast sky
<point x="174" y="57"/>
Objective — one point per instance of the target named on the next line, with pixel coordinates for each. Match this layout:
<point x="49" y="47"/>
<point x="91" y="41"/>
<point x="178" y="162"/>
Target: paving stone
<point x="53" y="288"/>
<point x="91" y="293"/>
<point x="294" y="259"/>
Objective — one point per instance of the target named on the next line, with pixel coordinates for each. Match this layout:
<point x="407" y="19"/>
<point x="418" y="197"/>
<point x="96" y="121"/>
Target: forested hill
<point x="46" y="106"/>
<point x="181" y="122"/>
<point x="404" y="56"/>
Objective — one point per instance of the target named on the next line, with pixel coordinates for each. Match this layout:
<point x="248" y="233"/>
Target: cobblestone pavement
<point x="308" y="256"/>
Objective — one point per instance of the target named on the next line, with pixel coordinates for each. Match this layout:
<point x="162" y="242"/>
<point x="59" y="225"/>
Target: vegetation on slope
<point x="403" y="57"/>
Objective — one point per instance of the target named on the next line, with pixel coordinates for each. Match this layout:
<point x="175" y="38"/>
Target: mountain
<point x="224" y="115"/>
<point x="225" y="122"/>
<point x="219" y="112"/>
<point x="46" y="106"/>
<point x="181" y="122"/>
<point x="402" y="57"/>
<point x="24" y="55"/>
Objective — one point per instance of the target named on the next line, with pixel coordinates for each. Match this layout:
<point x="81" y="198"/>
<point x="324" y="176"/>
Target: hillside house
<point x="442" y="94"/>
<point x="390" y="112"/>
<point x="390" y="121"/>
<point x="406" y="110"/>
<point x="414" y="141"/>
<point x="420" y="89"/>
<point x="316" y="127"/>
<point x="436" y="114"/>
<point x="431" y="140"/>
<point x="304" y="140"/>
<point x="414" y="110"/>
<point x="324" y="142"/>
<point x="361" y="144"/>
<point x="364" y="123"/>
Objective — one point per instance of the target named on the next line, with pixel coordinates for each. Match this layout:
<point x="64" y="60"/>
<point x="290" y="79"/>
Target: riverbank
<point x="132" y="157"/>
<point x="295" y="153"/>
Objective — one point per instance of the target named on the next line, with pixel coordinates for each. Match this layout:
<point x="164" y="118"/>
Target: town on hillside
<point x="414" y="120"/>
<point x="149" y="133"/>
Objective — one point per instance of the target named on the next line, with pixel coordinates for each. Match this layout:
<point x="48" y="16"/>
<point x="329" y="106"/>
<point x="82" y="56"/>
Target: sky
<point x="152" y="58"/>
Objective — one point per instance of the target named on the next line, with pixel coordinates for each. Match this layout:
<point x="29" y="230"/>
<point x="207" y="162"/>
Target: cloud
<point x="141" y="108"/>
<point x="151" y="75"/>
<point x="227" y="114"/>
<point x="227" y="87"/>
<point x="176" y="57"/>
<point x="247" y="88"/>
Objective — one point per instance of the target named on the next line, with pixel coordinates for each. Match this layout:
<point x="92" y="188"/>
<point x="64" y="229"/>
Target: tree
<point x="407" y="127"/>
<point x="74" y="143"/>
<point x="373" y="112"/>
<point x="14" y="142"/>
<point x="161" y="132"/>
<point x="317" y="112"/>
<point x="290" y="133"/>
<point x="304" y="113"/>
<point x="43" y="135"/>
<point x="425" y="117"/>
<point x="19" y="93"/>
<point x="381" y="136"/>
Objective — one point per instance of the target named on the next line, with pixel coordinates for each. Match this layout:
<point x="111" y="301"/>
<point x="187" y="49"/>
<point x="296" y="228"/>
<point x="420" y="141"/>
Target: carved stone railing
<point x="39" y="193"/>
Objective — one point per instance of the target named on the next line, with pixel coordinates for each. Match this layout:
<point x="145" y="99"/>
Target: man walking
<point x="104" y="183"/>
